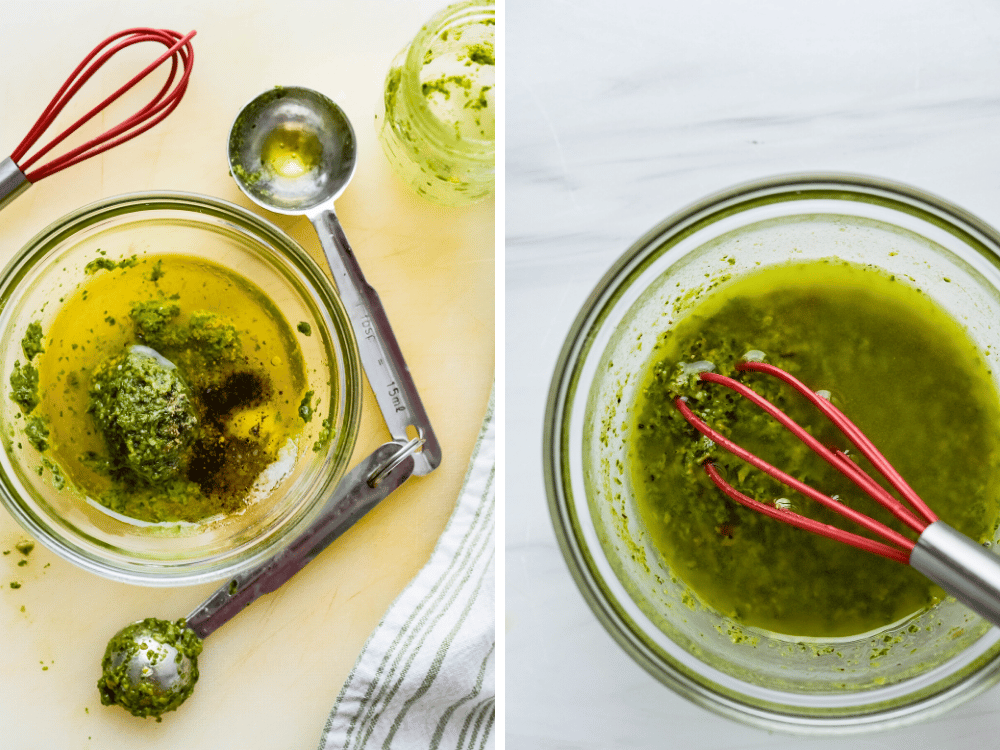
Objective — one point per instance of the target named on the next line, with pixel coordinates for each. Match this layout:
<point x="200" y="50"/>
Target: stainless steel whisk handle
<point x="965" y="569"/>
<point x="12" y="181"/>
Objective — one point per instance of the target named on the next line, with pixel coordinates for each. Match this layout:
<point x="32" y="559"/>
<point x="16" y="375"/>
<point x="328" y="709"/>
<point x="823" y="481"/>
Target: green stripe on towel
<point x="425" y="678"/>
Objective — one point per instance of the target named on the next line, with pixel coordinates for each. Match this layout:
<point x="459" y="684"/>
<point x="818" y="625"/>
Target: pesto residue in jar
<point x="148" y="644"/>
<point x="157" y="391"/>
<point x="902" y="369"/>
<point x="439" y="125"/>
<point x="305" y="408"/>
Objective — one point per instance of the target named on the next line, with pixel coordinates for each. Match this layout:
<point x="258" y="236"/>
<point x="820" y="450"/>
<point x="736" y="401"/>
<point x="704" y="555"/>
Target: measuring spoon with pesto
<point x="151" y="666"/>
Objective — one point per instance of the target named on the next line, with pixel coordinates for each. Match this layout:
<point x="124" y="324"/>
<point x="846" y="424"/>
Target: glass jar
<point x="437" y="129"/>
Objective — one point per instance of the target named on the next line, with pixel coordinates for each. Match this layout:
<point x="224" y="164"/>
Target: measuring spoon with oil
<point x="293" y="151"/>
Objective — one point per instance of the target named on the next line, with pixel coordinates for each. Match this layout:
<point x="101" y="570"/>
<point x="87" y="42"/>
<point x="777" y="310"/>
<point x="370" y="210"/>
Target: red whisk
<point x="18" y="171"/>
<point x="949" y="558"/>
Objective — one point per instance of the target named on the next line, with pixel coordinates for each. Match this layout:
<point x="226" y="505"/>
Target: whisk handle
<point x="966" y="570"/>
<point x="12" y="181"/>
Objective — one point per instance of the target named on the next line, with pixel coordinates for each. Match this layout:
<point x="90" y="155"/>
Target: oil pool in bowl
<point x="168" y="389"/>
<point x="183" y="388"/>
<point x="883" y="299"/>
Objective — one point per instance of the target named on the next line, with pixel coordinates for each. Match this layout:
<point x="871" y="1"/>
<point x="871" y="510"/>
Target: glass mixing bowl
<point x="80" y="529"/>
<point x="915" y="669"/>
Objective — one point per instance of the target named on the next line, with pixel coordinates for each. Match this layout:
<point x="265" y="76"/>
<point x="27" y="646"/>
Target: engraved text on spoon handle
<point x="380" y="353"/>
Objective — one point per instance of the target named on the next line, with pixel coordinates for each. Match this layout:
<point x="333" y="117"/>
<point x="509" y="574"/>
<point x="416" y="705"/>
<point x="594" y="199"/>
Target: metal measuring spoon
<point x="293" y="151"/>
<point x="151" y="666"/>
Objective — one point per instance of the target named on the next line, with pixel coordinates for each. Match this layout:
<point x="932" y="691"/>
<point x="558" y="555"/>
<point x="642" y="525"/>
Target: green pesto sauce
<point x="304" y="328"/>
<point x="168" y="455"/>
<point x="903" y="370"/>
<point x="24" y="386"/>
<point x="31" y="344"/>
<point x="145" y="412"/>
<point x="36" y="430"/>
<point x="205" y="340"/>
<point x="107" y="264"/>
<point x="160" y="639"/>
<point x="163" y="415"/>
<point x="248" y="178"/>
<point x="323" y="438"/>
<point x="305" y="408"/>
<point x="58" y="478"/>
<point x="165" y="411"/>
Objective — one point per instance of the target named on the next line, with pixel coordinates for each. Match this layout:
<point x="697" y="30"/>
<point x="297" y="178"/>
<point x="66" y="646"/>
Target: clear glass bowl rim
<point x="555" y="440"/>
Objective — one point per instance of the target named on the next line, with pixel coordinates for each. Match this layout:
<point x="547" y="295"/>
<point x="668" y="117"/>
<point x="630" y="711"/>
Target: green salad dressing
<point x="900" y="367"/>
<point x="158" y="387"/>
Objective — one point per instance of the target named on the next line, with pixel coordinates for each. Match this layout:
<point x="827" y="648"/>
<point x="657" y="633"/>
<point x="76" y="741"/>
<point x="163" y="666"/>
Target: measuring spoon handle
<point x="355" y="495"/>
<point x="381" y="357"/>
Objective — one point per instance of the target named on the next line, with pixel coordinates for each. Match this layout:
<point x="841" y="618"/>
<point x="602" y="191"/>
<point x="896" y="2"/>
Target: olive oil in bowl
<point x="240" y="364"/>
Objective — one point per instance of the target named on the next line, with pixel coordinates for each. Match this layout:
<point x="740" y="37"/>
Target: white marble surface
<point x="619" y="114"/>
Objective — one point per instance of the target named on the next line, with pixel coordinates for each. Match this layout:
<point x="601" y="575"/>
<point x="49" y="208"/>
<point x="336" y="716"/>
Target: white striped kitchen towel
<point x="425" y="678"/>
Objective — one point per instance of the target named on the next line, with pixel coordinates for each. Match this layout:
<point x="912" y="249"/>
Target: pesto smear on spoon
<point x="150" y="667"/>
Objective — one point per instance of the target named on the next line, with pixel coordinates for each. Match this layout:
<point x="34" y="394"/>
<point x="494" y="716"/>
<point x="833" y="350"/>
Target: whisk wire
<point x="64" y="96"/>
<point x="840" y="462"/>
<point x="808" y="524"/>
<point x="789" y="516"/>
<point x="179" y="51"/>
<point x="917" y="518"/>
<point x="852" y="432"/>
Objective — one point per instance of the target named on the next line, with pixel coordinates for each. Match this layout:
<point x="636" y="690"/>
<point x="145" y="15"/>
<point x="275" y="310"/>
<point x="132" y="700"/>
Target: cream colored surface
<point x="270" y="676"/>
